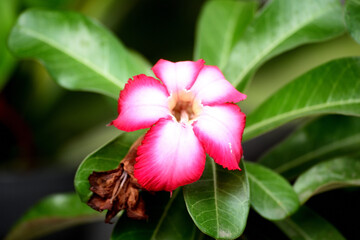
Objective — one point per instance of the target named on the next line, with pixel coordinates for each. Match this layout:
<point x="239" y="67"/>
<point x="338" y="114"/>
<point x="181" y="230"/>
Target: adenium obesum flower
<point x="190" y="111"/>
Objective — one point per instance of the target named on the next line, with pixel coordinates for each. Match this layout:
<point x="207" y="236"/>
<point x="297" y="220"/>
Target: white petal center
<point x="184" y="107"/>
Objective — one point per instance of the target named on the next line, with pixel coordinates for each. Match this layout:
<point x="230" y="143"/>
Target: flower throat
<point x="184" y="106"/>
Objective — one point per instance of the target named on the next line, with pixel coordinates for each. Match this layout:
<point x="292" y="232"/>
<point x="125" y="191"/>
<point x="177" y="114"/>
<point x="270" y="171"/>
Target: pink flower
<point x="190" y="112"/>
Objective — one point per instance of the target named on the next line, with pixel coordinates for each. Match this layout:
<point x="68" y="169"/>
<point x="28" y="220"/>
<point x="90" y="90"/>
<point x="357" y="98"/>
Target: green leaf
<point x="168" y="219"/>
<point x="220" y="26"/>
<point x="270" y="194"/>
<point x="280" y="70"/>
<point x="330" y="88"/>
<point x="352" y="18"/>
<point x="283" y="25"/>
<point x="79" y="53"/>
<point x="105" y="158"/>
<point x="307" y="225"/>
<point x="7" y="18"/>
<point x="218" y="203"/>
<point x="325" y="176"/>
<point x="317" y="144"/>
<point x="51" y="214"/>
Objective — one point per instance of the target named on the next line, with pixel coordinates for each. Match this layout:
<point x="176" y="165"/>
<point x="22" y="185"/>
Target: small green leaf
<point x="168" y="219"/>
<point x="52" y="214"/>
<point x="325" y="176"/>
<point x="220" y="26"/>
<point x="317" y="144"/>
<point x="283" y="25"/>
<point x="270" y="194"/>
<point x="79" y="53"/>
<point x="106" y="158"/>
<point x="307" y="225"/>
<point x="218" y="203"/>
<point x="331" y="88"/>
<point x="352" y="18"/>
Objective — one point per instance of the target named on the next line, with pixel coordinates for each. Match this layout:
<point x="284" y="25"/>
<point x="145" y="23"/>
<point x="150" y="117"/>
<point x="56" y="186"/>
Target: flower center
<point x="184" y="106"/>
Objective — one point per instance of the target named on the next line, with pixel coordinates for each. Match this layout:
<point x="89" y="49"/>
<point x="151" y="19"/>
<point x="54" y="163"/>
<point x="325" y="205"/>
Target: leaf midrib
<point x="298" y="229"/>
<point x="213" y="166"/>
<point x="80" y="60"/>
<point x="273" y="46"/>
<point x="168" y="205"/>
<point x="335" y="184"/>
<point x="325" y="149"/>
<point x="293" y="113"/>
<point x="268" y="192"/>
<point x="327" y="187"/>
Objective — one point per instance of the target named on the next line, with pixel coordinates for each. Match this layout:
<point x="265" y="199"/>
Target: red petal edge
<point x="220" y="129"/>
<point x="142" y="103"/>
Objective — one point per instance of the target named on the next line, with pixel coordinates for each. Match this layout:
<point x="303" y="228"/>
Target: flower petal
<point x="177" y="76"/>
<point x="142" y="103"/>
<point x="220" y="129"/>
<point x="211" y="87"/>
<point x="170" y="156"/>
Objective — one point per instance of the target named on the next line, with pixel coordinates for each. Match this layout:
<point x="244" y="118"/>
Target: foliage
<point x="336" y="173"/>
<point x="53" y="213"/>
<point x="238" y="36"/>
<point x="271" y="195"/>
<point x="305" y="224"/>
<point x="317" y="144"/>
<point x="95" y="59"/>
<point x="7" y="17"/>
<point x="219" y="202"/>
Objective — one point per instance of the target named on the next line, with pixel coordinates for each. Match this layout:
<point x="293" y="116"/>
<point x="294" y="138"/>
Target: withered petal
<point x="103" y="183"/>
<point x="117" y="189"/>
<point x="138" y="212"/>
<point x="98" y="203"/>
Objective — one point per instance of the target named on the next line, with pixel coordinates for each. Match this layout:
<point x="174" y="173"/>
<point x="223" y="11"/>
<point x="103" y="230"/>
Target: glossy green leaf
<point x="220" y="26"/>
<point x="282" y="69"/>
<point x="168" y="219"/>
<point x="333" y="87"/>
<point x="307" y="225"/>
<point x="283" y="25"/>
<point x="325" y="176"/>
<point x="352" y="18"/>
<point x="270" y="194"/>
<point x="218" y="203"/>
<point x="79" y="53"/>
<point x="7" y="18"/>
<point x="105" y="158"/>
<point x="52" y="214"/>
<point x="317" y="143"/>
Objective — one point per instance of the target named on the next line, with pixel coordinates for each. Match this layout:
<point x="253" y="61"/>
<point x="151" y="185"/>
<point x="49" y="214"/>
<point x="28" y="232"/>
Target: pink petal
<point x="211" y="87"/>
<point x="220" y="129"/>
<point x="177" y="76"/>
<point x="142" y="103"/>
<point x="170" y="156"/>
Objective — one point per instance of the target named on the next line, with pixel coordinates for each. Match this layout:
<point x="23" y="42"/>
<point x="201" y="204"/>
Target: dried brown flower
<point x="118" y="189"/>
